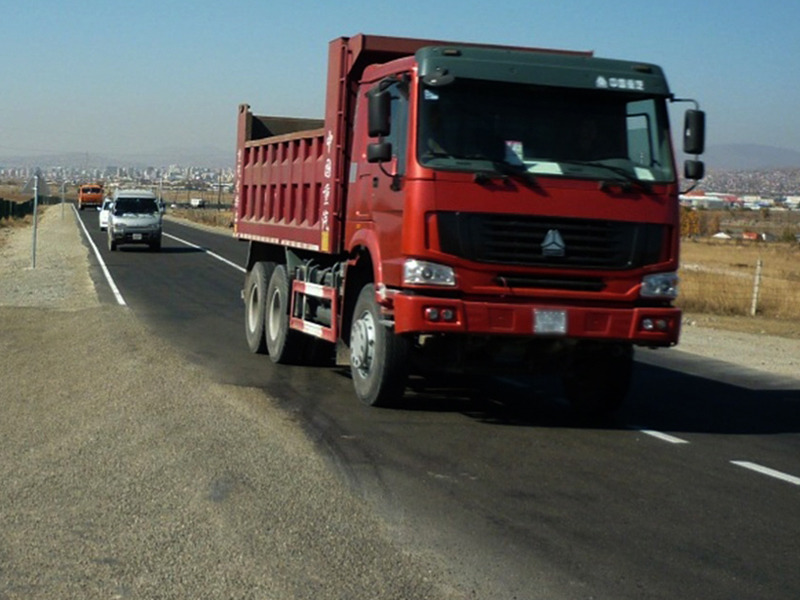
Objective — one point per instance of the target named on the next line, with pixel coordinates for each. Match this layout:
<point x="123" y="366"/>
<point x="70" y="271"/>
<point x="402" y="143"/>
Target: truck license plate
<point x="137" y="236"/>
<point x="549" y="322"/>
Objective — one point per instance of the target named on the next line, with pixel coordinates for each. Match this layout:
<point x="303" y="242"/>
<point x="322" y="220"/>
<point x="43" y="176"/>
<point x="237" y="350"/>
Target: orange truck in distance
<point x="90" y="194"/>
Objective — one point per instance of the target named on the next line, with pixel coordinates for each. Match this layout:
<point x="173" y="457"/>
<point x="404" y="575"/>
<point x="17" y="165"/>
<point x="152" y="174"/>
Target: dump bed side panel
<point x="279" y="184"/>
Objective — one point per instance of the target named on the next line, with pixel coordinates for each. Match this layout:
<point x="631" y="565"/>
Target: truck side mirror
<point x="379" y="152"/>
<point x="694" y="169"/>
<point x="379" y="111"/>
<point x="694" y="131"/>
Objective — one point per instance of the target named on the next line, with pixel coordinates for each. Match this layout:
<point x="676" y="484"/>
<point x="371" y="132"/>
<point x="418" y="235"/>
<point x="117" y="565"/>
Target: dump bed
<point x="291" y="173"/>
<point x="279" y="181"/>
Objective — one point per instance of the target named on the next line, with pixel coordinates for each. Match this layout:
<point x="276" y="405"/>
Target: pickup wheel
<point x="255" y="301"/>
<point x="597" y="382"/>
<point x="285" y="346"/>
<point x="378" y="357"/>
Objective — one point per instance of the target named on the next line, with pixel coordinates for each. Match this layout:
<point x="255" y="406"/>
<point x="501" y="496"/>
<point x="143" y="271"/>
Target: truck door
<point x="381" y="184"/>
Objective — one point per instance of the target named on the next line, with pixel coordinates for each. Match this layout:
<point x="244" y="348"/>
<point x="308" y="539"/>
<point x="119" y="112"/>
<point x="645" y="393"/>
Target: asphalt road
<point x="691" y="492"/>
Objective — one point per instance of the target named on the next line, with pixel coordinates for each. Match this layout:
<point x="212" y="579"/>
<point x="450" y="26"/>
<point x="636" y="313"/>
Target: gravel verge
<point x="127" y="473"/>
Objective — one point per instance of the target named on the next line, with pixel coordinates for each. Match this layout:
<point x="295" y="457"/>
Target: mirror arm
<point x="689" y="189"/>
<point x="395" y="185"/>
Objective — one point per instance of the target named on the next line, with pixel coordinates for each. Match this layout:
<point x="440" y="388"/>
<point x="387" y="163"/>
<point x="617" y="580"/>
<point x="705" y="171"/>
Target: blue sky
<point x="138" y="78"/>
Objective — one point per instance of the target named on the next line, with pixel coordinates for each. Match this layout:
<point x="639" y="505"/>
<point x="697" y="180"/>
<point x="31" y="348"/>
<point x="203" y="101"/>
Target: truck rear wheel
<point x="285" y="346"/>
<point x="378" y="357"/>
<point x="255" y="299"/>
<point x="598" y="380"/>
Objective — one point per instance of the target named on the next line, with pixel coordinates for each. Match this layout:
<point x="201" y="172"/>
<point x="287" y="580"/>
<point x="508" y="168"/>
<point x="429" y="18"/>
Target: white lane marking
<point x="103" y="267"/>
<point x="662" y="436"/>
<point x="207" y="251"/>
<point x="767" y="471"/>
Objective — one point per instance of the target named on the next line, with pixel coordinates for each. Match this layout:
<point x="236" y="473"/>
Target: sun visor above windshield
<point x="540" y="68"/>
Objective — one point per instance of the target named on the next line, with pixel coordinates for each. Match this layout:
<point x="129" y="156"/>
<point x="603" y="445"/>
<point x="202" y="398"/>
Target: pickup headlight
<point x="660" y="285"/>
<point x="422" y="272"/>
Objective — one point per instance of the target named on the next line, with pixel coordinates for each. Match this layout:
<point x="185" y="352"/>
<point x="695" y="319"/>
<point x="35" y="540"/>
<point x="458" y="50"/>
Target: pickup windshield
<point x="586" y="134"/>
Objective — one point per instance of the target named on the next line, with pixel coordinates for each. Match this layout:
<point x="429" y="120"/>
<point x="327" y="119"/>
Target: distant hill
<point x="200" y="157"/>
<point x="750" y="157"/>
<point x="740" y="157"/>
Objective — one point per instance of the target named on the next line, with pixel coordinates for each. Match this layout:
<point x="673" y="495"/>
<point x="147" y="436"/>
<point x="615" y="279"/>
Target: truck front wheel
<point x="255" y="298"/>
<point x="597" y="382"/>
<point x="285" y="346"/>
<point x="378" y="357"/>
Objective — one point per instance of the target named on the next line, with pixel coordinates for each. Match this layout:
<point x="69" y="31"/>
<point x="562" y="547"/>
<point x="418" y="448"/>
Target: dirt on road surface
<point x="127" y="473"/>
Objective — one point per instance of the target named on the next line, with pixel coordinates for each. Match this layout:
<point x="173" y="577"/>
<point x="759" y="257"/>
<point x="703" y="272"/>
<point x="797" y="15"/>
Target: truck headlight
<point x="660" y="285"/>
<point x="422" y="272"/>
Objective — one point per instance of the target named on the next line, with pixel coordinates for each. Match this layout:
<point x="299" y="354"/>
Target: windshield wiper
<point x="627" y="179"/>
<point x="505" y="170"/>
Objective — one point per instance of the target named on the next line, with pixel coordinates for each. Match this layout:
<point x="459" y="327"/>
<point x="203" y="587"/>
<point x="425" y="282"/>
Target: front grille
<point x="584" y="284"/>
<point x="530" y="241"/>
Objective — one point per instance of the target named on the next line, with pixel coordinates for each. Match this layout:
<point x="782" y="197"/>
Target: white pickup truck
<point x="135" y="218"/>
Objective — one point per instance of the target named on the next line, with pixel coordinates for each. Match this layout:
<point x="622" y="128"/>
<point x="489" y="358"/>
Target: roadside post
<point x="34" y="185"/>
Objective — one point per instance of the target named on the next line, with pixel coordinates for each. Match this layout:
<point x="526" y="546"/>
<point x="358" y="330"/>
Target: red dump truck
<point x="467" y="210"/>
<point x="90" y="195"/>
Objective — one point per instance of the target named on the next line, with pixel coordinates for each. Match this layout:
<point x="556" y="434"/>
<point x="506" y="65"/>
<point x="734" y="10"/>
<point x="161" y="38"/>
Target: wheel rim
<point x="274" y="315"/>
<point x="252" y="308"/>
<point x="362" y="343"/>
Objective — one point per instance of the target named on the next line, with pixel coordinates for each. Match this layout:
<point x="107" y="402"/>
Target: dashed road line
<point x="767" y="471"/>
<point x="664" y="437"/>
<point x="207" y="251"/>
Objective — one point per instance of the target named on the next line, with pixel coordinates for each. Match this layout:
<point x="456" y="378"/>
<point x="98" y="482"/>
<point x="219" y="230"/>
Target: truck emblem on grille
<point x="553" y="244"/>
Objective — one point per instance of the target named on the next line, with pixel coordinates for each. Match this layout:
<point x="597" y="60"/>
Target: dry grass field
<point x="222" y="218"/>
<point x="719" y="284"/>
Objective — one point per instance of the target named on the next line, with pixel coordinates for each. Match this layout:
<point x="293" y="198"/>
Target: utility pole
<point x="219" y="190"/>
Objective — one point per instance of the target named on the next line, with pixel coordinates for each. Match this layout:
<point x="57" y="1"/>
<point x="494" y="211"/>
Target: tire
<point x="284" y="345"/>
<point x="156" y="246"/>
<point x="597" y="383"/>
<point x="378" y="357"/>
<point x="255" y="302"/>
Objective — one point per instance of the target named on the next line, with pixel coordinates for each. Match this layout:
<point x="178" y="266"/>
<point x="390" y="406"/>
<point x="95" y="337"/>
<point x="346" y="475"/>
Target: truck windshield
<point x="585" y="134"/>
